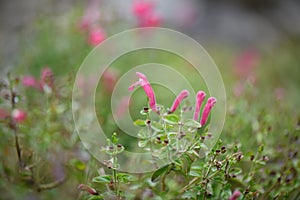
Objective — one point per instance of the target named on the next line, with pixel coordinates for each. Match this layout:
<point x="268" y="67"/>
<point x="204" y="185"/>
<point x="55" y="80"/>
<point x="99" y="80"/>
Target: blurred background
<point x="238" y="23"/>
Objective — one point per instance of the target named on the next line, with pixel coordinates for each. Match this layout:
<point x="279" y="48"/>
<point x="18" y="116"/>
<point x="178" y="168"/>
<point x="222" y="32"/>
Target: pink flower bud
<point x="18" y="115"/>
<point x="236" y="194"/>
<point x="29" y="81"/>
<point x="182" y="95"/>
<point x="199" y="100"/>
<point x="143" y="81"/>
<point x="96" y="36"/>
<point x="88" y="189"/>
<point x="209" y="105"/>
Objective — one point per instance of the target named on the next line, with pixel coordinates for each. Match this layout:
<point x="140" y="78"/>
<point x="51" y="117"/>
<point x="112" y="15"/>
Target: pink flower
<point x="3" y="114"/>
<point x="245" y="63"/>
<point x="91" y="15"/>
<point x="46" y="80"/>
<point x="47" y="77"/>
<point x="142" y="8"/>
<point x="18" y="115"/>
<point x="151" y="20"/>
<point x="88" y="189"/>
<point x="122" y="107"/>
<point x="209" y="105"/>
<point x="199" y="100"/>
<point x="145" y="14"/>
<point x="182" y="95"/>
<point x="29" y="81"/>
<point x="109" y="80"/>
<point x="236" y="194"/>
<point x="143" y="81"/>
<point x="96" y="36"/>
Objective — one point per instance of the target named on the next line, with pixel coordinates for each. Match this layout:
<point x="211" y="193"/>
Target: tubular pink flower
<point x="199" y="100"/>
<point x="143" y="81"/>
<point x="182" y="95"/>
<point x="211" y="101"/>
<point x="236" y="194"/>
<point x="18" y="115"/>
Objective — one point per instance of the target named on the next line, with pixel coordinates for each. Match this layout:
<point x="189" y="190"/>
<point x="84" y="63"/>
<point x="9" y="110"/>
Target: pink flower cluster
<point x="145" y="14"/>
<point x="143" y="81"/>
<point x="90" y="23"/>
<point x="45" y="83"/>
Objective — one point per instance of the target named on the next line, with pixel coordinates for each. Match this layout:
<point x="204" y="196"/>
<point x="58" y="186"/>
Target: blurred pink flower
<point x="29" y="81"/>
<point x="88" y="189"/>
<point x="181" y="96"/>
<point x="122" y="107"/>
<point x="18" y="115"/>
<point x="3" y="114"/>
<point x="200" y="96"/>
<point x="45" y="83"/>
<point x="238" y="89"/>
<point x="143" y="81"/>
<point x="152" y="20"/>
<point x="109" y="79"/>
<point x="96" y="36"/>
<point x="47" y="77"/>
<point x="91" y="15"/>
<point x="235" y="195"/>
<point x="145" y="14"/>
<point x="246" y="62"/>
<point x="211" y="101"/>
<point x="279" y="93"/>
<point x="142" y="8"/>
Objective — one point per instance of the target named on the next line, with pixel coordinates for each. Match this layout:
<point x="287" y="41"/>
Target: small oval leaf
<point x="139" y="122"/>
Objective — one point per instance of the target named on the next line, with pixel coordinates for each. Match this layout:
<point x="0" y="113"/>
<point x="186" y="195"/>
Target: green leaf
<point x="194" y="173"/>
<point x="192" y="123"/>
<point x="186" y="163"/>
<point x="102" y="179"/>
<point x="114" y="138"/>
<point x="139" y="122"/>
<point x="97" y="197"/>
<point x="171" y="119"/>
<point x="78" y="164"/>
<point x="236" y="171"/>
<point x="124" y="178"/>
<point x="157" y="126"/>
<point x="159" y="172"/>
<point x="142" y="143"/>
